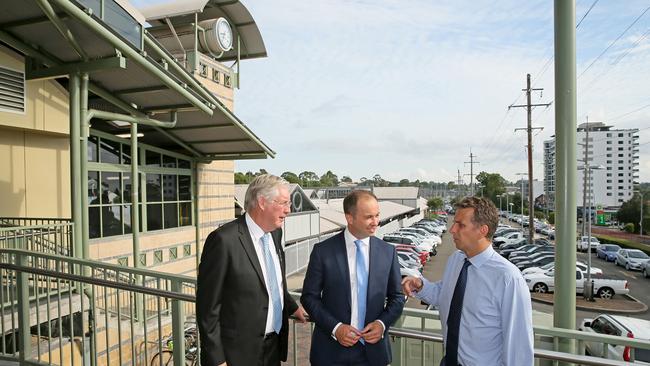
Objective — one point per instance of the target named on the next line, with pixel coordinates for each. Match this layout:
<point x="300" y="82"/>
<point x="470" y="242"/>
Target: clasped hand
<point x="348" y="335"/>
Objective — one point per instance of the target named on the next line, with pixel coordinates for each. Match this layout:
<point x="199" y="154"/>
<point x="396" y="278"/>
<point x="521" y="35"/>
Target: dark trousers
<point x="354" y="356"/>
<point x="271" y="354"/>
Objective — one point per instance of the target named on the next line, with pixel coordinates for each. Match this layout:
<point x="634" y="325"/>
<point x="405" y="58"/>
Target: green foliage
<point x="629" y="228"/>
<point x="551" y="218"/>
<point x="539" y="215"/>
<point x="493" y="184"/>
<point x="291" y="177"/>
<point x="435" y="203"/>
<point x="329" y="179"/>
<point x="624" y="243"/>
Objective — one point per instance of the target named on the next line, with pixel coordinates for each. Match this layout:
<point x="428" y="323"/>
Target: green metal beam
<point x="110" y="116"/>
<point x="147" y="89"/>
<point x="83" y="161"/>
<point x="62" y="27"/>
<point x="180" y="142"/>
<point x="128" y="51"/>
<point x="75" y="167"/>
<point x="237" y="156"/>
<point x="564" y="309"/>
<point x="167" y="108"/>
<point x="203" y="127"/>
<point x="110" y="63"/>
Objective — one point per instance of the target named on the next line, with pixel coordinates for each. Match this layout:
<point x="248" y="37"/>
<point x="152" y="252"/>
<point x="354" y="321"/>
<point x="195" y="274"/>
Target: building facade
<point x="612" y="158"/>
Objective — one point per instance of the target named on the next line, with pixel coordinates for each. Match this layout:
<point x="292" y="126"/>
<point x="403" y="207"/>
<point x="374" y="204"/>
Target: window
<point x="12" y="87"/>
<point x="609" y="155"/>
<point x="620" y="135"/>
<point x="143" y="259"/>
<point x="609" y="193"/>
<point x="227" y="81"/>
<point x="203" y="70"/>
<point x="621" y="162"/>
<point x="621" y="155"/>
<point x="173" y="253"/>
<point x="621" y="180"/>
<point x="620" y="149"/>
<point x="609" y="161"/>
<point x="609" y="149"/>
<point x="609" y="174"/>
<point x="164" y="177"/>
<point x="609" y="181"/>
<point x="609" y="142"/>
<point x="157" y="256"/>
<point x="123" y="261"/>
<point x="216" y="76"/>
<point x="187" y="250"/>
<point x="609" y="187"/>
<point x="609" y="135"/>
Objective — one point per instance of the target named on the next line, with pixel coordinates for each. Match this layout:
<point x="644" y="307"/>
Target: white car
<point x="551" y="266"/>
<point x="409" y="272"/>
<point x="583" y="244"/>
<point x="621" y="326"/>
<point x="508" y="238"/>
<point x="603" y="288"/>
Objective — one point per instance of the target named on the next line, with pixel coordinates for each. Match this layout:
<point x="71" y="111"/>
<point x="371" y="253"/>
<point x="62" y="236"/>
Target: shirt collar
<point x="479" y="259"/>
<point x="255" y="230"/>
<point x="349" y="238"/>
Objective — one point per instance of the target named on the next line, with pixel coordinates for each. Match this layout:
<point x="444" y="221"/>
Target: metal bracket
<point x="64" y="70"/>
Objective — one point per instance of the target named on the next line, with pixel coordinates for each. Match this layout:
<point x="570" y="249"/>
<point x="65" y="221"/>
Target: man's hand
<point x="347" y="335"/>
<point x="223" y="364"/>
<point x="372" y="332"/>
<point x="410" y="285"/>
<point x="300" y="314"/>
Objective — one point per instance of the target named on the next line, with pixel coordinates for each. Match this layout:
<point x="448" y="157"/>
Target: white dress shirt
<point x="496" y="326"/>
<point x="256" y="233"/>
<point x="351" y="251"/>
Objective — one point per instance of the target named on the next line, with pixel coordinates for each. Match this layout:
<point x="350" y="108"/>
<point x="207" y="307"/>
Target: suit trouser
<point x="354" y="356"/>
<point x="271" y="352"/>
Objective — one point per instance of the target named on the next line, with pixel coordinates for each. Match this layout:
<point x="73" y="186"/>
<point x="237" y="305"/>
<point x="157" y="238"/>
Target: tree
<point x="291" y="177"/>
<point x="630" y="213"/>
<point x="346" y="179"/>
<point x="493" y="184"/>
<point x="309" y="179"/>
<point x="404" y="183"/>
<point x="329" y="179"/>
<point x="435" y="203"/>
<point x="241" y="178"/>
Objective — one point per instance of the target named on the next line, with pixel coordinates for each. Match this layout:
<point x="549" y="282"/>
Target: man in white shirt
<point x="484" y="302"/>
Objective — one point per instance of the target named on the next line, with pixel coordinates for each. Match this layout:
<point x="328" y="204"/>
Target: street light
<point x="588" y="289"/>
<point x="641" y="195"/>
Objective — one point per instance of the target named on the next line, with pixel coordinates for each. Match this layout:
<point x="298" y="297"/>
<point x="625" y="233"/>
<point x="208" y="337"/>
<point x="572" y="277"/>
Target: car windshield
<point x="612" y="248"/>
<point x="548" y="266"/>
<point x="640" y="255"/>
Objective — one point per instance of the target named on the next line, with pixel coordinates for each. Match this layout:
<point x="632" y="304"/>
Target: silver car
<point x="631" y="259"/>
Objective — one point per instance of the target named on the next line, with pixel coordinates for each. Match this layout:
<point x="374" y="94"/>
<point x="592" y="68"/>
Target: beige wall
<point x="46" y="106"/>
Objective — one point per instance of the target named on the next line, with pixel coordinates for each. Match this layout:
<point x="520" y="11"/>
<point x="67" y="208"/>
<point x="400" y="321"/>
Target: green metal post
<point x="75" y="166"/>
<point x="135" y="218"/>
<point x="83" y="161"/>
<point x="197" y="222"/>
<point x="178" y="321"/>
<point x="564" y="310"/>
<point x="22" y="283"/>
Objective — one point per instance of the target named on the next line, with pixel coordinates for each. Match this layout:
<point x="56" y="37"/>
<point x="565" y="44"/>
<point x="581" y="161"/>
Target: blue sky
<point x="405" y="88"/>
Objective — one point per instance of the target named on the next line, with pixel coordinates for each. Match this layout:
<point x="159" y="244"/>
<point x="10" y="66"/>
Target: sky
<point x="408" y="88"/>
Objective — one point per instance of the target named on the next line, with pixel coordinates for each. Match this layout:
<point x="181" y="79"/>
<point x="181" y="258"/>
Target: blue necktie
<point x="362" y="286"/>
<point x="453" y="321"/>
<point x="272" y="283"/>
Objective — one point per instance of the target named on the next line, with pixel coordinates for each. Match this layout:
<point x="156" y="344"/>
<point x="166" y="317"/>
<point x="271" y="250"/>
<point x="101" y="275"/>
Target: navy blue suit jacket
<point x="326" y="296"/>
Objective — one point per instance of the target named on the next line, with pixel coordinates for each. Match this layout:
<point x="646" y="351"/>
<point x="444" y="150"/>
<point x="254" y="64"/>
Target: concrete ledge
<point x="620" y="304"/>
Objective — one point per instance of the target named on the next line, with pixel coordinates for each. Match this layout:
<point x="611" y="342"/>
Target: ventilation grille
<point x="12" y="90"/>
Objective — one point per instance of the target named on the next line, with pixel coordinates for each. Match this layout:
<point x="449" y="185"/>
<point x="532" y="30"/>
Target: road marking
<point x="627" y="274"/>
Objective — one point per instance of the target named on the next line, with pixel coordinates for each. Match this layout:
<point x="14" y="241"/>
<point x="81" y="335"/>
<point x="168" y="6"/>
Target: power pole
<point x="529" y="129"/>
<point x="471" y="163"/>
<point x="459" y="184"/>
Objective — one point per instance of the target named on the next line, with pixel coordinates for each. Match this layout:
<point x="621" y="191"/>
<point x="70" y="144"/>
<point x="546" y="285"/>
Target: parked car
<point x="607" y="252"/>
<point x="583" y="244"/>
<point x="405" y="271"/>
<point x="508" y="238"/>
<point x="540" y="261"/>
<point x="531" y="256"/>
<point x="621" y="326"/>
<point x="646" y="269"/>
<point x="580" y="266"/>
<point x="603" y="288"/>
<point x="631" y="259"/>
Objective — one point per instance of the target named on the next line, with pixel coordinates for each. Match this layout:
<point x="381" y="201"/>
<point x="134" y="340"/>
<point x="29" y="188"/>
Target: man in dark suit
<point x="352" y="290"/>
<point x="242" y="303"/>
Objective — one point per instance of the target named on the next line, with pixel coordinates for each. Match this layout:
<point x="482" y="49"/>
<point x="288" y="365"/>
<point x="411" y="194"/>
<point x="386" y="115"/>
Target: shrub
<point x="623" y="243"/>
<point x="629" y="227"/>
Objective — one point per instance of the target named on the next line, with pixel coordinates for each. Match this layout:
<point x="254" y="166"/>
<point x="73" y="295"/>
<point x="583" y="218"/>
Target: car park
<point x="539" y="261"/>
<point x="506" y="249"/>
<point x="631" y="259"/>
<point x="603" y="288"/>
<point x="531" y="256"/>
<point x="607" y="252"/>
<point x="621" y="326"/>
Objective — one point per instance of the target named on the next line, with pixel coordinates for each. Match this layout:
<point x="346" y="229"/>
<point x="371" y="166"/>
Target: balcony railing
<point x="41" y="235"/>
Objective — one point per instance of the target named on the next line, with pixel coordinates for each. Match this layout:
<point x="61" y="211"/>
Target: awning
<point x="131" y="73"/>
<point x="181" y="13"/>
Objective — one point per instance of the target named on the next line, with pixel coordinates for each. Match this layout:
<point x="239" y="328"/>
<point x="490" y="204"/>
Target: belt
<point x="270" y="335"/>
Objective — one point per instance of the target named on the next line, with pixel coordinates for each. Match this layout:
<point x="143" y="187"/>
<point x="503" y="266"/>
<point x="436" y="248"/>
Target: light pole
<point x="530" y="235"/>
<point x="588" y="290"/>
<point x="641" y="196"/>
<point x="511" y="210"/>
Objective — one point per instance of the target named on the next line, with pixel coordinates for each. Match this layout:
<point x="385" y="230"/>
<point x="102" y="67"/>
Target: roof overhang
<point x="182" y="13"/>
<point x="137" y="78"/>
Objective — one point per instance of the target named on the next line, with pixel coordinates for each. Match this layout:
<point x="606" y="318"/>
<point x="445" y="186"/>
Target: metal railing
<point x="102" y="321"/>
<point x="122" y="315"/>
<point x="42" y="235"/>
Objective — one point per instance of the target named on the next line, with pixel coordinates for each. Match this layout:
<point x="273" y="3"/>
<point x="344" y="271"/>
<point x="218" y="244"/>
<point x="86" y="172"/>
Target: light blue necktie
<point x="362" y="286"/>
<point x="272" y="283"/>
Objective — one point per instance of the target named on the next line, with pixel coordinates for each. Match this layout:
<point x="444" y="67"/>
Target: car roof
<point x="639" y="327"/>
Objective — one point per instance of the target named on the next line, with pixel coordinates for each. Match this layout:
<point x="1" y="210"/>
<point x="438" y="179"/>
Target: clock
<point x="224" y="34"/>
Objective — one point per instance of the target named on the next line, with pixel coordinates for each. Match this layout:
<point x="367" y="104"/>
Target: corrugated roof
<point x="404" y="193"/>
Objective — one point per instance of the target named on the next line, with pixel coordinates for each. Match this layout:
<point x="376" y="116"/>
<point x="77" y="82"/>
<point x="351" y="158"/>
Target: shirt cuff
<point x="334" y="331"/>
<point x="383" y="326"/>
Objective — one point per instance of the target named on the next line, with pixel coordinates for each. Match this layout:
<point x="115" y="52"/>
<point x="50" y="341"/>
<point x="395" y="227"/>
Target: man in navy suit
<point x="352" y="290"/>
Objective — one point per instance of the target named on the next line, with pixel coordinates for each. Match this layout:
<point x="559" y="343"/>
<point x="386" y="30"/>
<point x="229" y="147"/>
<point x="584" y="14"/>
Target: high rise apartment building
<point x="613" y="158"/>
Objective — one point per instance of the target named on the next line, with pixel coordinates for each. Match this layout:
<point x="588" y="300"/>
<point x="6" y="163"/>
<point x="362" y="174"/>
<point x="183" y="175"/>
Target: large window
<point x="165" y="193"/>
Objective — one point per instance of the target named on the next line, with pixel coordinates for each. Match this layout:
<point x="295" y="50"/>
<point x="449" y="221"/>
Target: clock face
<point x="224" y="34"/>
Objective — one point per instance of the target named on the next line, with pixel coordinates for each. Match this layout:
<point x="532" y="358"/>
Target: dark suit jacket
<point x="326" y="296"/>
<point x="231" y="298"/>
